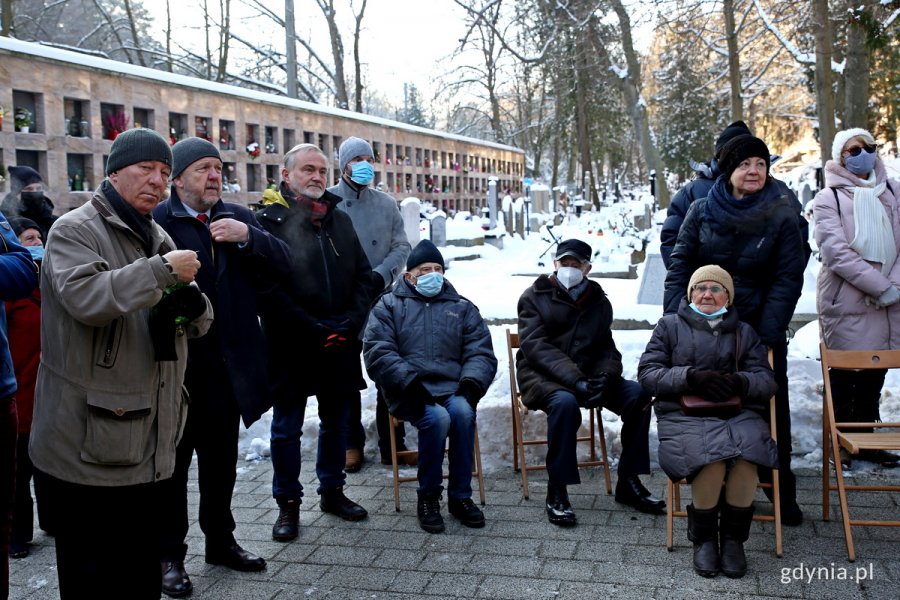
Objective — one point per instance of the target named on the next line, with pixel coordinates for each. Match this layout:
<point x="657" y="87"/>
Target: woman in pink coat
<point x="857" y="228"/>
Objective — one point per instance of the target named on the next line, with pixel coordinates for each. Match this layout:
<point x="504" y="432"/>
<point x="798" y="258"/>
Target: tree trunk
<point x="337" y="54"/>
<point x="224" y="38"/>
<point x="134" y="34"/>
<point x="821" y="25"/>
<point x="734" y="61"/>
<point x="291" y="45"/>
<point x="637" y="107"/>
<point x="206" y="39"/>
<point x="6" y="28"/>
<point x="582" y="128"/>
<point x="856" y="72"/>
<point x="357" y="70"/>
<point x="169" y="35"/>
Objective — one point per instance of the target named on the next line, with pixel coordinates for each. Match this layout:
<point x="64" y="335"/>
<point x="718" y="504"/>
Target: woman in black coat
<point x="749" y="226"/>
<point x="706" y="350"/>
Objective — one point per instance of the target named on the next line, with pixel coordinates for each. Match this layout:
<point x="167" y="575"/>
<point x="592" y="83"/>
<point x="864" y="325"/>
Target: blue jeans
<point x="451" y="417"/>
<point x="287" y="427"/>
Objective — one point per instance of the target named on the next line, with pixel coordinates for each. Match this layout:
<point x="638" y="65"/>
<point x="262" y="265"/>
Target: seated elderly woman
<point x="705" y="350"/>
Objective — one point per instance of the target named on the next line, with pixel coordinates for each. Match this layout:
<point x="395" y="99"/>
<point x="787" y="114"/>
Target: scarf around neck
<point x="873" y="237"/>
<point x="724" y="211"/>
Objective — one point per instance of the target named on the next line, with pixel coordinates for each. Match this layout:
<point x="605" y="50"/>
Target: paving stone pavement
<point x="614" y="552"/>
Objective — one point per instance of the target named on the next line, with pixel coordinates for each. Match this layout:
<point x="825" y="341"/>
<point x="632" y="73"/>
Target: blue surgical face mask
<point x="37" y="253"/>
<point x="362" y="173"/>
<point x="430" y="284"/>
<point x="714" y="315"/>
<point x="861" y="164"/>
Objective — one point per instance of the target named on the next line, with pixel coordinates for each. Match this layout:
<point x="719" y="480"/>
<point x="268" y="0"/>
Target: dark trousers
<point x="787" y="481"/>
<point x="287" y="428"/>
<point x="8" y="424"/>
<point x="23" y="508"/>
<point x="212" y="429"/>
<point x="107" y="538"/>
<point x="356" y="433"/>
<point x="630" y="402"/>
<point x="857" y="394"/>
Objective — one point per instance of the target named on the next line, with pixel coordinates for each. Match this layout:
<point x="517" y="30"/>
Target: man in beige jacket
<point x="109" y="408"/>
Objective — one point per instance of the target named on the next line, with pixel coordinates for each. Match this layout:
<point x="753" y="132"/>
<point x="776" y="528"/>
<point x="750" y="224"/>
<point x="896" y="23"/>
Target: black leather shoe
<point x="234" y="557"/>
<point x="336" y="503"/>
<point x="287" y="526"/>
<point x="630" y="491"/>
<point x="559" y="510"/>
<point x="466" y="511"/>
<point x="175" y="580"/>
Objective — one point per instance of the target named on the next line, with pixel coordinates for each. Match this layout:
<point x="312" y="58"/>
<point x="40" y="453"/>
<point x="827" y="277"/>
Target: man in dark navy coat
<point x="226" y="372"/>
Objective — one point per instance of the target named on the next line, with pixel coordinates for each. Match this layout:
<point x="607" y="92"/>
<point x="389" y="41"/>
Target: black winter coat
<point x="330" y="279"/>
<point x="685" y="341"/>
<point x="40" y="212"/>
<point x="678" y="207"/>
<point x="441" y="340"/>
<point x="561" y="340"/>
<point x="231" y="277"/>
<point x="763" y="250"/>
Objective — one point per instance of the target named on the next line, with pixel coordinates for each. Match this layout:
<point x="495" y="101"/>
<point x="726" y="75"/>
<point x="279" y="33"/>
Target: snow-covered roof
<point x="94" y="62"/>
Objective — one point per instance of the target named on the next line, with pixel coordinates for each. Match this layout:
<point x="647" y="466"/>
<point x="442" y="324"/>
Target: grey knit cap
<point x="190" y="150"/>
<point x="351" y="148"/>
<point x="137" y="145"/>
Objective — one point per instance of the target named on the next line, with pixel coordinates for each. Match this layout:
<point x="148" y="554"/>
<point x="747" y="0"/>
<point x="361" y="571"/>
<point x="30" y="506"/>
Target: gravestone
<point x="439" y="229"/>
<point x="410" y="209"/>
<point x="492" y="203"/>
<point x="653" y="281"/>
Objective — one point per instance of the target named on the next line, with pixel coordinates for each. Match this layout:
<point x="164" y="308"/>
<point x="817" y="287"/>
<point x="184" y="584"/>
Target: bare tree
<point x="357" y="69"/>
<point x="6" y="26"/>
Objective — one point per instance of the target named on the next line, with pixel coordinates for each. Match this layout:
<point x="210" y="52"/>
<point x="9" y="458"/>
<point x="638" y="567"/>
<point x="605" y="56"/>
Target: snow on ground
<point x="495" y="280"/>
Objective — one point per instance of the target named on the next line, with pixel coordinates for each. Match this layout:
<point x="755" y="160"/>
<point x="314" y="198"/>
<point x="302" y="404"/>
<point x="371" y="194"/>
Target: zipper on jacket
<point x="837" y="292"/>
<point x="325" y="262"/>
<point x="110" y="342"/>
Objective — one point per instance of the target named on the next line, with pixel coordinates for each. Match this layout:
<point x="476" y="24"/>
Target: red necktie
<point x="203" y="218"/>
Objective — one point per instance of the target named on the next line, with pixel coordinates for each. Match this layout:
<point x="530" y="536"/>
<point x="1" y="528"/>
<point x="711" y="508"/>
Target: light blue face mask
<point x="362" y="173"/>
<point x="861" y="164"/>
<point x="714" y="315"/>
<point x="430" y="284"/>
<point x="37" y="253"/>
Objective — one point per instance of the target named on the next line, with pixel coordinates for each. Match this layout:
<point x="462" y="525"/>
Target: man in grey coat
<point x="379" y="227"/>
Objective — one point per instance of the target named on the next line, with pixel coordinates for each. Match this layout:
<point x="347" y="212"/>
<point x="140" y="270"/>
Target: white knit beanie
<point x="842" y="137"/>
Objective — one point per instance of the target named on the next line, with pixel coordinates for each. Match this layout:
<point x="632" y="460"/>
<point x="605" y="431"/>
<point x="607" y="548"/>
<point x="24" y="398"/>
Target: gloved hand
<point x="334" y="341"/>
<point x="471" y="391"/>
<point x="378" y="282"/>
<point x="417" y="393"/>
<point x="183" y="302"/>
<point x="596" y="389"/>
<point x="581" y="388"/>
<point x="737" y="384"/>
<point x="711" y="385"/>
<point x="889" y="297"/>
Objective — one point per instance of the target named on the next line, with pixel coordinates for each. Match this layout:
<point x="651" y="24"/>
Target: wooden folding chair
<point x="477" y="471"/>
<point x="673" y="495"/>
<point x="846" y="435"/>
<point x="520" y="411"/>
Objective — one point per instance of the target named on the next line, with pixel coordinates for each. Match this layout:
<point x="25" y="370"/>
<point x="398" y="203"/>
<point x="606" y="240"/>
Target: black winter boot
<point x="703" y="528"/>
<point x="286" y="527"/>
<point x="734" y="529"/>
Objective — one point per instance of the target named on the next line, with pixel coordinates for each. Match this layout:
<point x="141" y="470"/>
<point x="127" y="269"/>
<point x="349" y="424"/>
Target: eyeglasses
<point x="856" y="150"/>
<point x="713" y="289"/>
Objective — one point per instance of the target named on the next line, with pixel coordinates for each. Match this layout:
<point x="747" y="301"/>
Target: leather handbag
<point x="693" y="405"/>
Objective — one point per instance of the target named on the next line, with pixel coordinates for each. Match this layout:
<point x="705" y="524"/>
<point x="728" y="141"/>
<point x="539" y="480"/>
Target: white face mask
<point x="569" y="276"/>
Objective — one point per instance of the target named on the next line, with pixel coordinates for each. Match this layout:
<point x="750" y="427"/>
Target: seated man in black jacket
<point x="568" y="361"/>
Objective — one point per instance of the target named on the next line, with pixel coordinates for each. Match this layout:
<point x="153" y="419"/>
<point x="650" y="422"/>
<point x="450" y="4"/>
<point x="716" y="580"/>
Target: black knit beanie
<point x="740" y="148"/>
<point x="190" y="150"/>
<point x="22" y="176"/>
<point x="732" y="131"/>
<point x="137" y="145"/>
<point x="20" y="224"/>
<point x="424" y="252"/>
